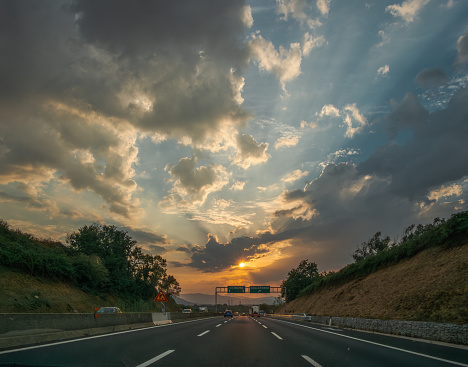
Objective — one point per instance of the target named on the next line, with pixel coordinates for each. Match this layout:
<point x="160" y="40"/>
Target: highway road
<point x="241" y="341"/>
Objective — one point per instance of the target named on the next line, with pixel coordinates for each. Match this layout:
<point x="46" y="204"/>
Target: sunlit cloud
<point x="294" y="175"/>
<point x="323" y="6"/>
<point x="384" y="38"/>
<point x="237" y="185"/>
<point x="286" y="141"/>
<point x="407" y="10"/>
<point x="285" y="64"/>
<point x="352" y="118"/>
<point x="310" y="42"/>
<point x="329" y="110"/>
<point x="383" y="70"/>
<point x="196" y="183"/>
<point x="247" y="16"/>
<point x="298" y="10"/>
<point x="443" y="192"/>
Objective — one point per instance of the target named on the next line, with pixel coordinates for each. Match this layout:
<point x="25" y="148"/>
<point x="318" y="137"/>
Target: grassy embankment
<point x="423" y="278"/>
<point x="43" y="276"/>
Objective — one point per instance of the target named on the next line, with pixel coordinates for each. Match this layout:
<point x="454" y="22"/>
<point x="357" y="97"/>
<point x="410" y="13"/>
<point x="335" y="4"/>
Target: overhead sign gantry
<point x="244" y="289"/>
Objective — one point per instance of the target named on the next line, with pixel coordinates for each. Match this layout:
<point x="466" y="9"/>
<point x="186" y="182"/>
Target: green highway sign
<point x="259" y="289"/>
<point x="236" y="289"/>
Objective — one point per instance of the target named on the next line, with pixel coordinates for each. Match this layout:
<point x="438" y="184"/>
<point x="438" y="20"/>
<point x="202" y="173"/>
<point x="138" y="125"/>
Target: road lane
<point x="348" y="347"/>
<point x="240" y="341"/>
<point x="130" y="348"/>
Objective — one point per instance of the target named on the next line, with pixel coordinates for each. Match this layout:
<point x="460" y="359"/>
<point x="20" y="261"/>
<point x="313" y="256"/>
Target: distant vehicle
<point x="187" y="310"/>
<point x="228" y="313"/>
<point x="236" y="313"/>
<point x="261" y="313"/>
<point x="203" y="309"/>
<point x="244" y="314"/>
<point x="109" y="310"/>
<point x="255" y="311"/>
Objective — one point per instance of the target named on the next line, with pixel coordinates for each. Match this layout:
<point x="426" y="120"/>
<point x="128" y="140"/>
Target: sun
<point x="241" y="265"/>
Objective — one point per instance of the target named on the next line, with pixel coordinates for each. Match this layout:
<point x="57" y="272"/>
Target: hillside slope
<point x="24" y="293"/>
<point x="431" y="286"/>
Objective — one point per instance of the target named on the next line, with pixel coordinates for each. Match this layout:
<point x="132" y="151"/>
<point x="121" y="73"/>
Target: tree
<point x="129" y="270"/>
<point x="305" y="274"/>
<point x="371" y="247"/>
<point x="170" y="285"/>
<point x="112" y="246"/>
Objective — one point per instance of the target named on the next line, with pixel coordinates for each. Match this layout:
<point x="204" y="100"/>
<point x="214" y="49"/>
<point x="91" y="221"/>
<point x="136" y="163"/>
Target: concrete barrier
<point x="72" y="321"/>
<point x="29" y="329"/>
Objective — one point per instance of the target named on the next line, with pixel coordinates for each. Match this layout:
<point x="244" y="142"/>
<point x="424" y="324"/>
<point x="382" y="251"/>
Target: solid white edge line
<point x="205" y="332"/>
<point x="99" y="336"/>
<point x="381" y="345"/>
<point x="311" y="361"/>
<point x="157" y="358"/>
<point x="279" y="337"/>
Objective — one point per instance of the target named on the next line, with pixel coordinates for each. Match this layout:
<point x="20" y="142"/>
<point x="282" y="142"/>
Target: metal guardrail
<point x="295" y="317"/>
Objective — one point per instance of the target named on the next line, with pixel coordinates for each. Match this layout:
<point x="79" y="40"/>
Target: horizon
<point x="221" y="133"/>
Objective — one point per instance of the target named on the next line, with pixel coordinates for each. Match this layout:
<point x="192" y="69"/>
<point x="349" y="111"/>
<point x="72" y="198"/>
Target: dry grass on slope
<point x="431" y="286"/>
<point x="26" y="293"/>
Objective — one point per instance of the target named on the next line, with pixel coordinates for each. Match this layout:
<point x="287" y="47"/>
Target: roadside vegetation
<point x="379" y="253"/>
<point x="100" y="260"/>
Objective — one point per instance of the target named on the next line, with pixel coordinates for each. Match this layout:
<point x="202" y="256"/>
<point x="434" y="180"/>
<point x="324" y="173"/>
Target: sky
<point x="219" y="132"/>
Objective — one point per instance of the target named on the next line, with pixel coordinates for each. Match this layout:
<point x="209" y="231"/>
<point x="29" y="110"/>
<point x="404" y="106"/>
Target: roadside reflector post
<point x="95" y="312"/>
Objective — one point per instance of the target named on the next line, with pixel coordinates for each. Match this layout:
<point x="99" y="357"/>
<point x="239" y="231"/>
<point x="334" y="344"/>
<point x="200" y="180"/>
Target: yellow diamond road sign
<point x="161" y="297"/>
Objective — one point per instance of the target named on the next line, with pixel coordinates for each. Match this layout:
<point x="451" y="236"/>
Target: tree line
<point x="379" y="252"/>
<point x="100" y="259"/>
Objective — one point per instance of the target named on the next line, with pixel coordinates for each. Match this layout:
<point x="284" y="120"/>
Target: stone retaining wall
<point x="449" y="333"/>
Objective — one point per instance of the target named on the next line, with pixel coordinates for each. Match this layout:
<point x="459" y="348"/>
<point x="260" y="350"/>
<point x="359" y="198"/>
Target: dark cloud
<point x="294" y="195"/>
<point x="436" y="154"/>
<point x="79" y="78"/>
<point x="217" y="256"/>
<point x="180" y="55"/>
<point x="193" y="180"/>
<point x="29" y="201"/>
<point x="184" y="249"/>
<point x="349" y="203"/>
<point x="431" y="78"/>
<point x="148" y="27"/>
<point x="145" y="237"/>
<point x="409" y="113"/>
<point x="154" y="249"/>
<point x="197" y="182"/>
<point x="249" y="151"/>
<point x="462" y="48"/>
<point x="287" y="212"/>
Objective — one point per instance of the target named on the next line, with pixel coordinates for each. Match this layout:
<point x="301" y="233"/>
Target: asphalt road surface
<point x="240" y="341"/>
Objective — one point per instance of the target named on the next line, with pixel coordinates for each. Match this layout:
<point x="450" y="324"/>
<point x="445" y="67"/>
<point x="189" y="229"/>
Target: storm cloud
<point x="82" y="79"/>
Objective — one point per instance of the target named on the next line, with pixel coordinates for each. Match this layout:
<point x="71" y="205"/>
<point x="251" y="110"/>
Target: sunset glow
<point x="235" y="138"/>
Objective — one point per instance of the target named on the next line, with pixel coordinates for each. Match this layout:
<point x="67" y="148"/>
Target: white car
<point x="187" y="310"/>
